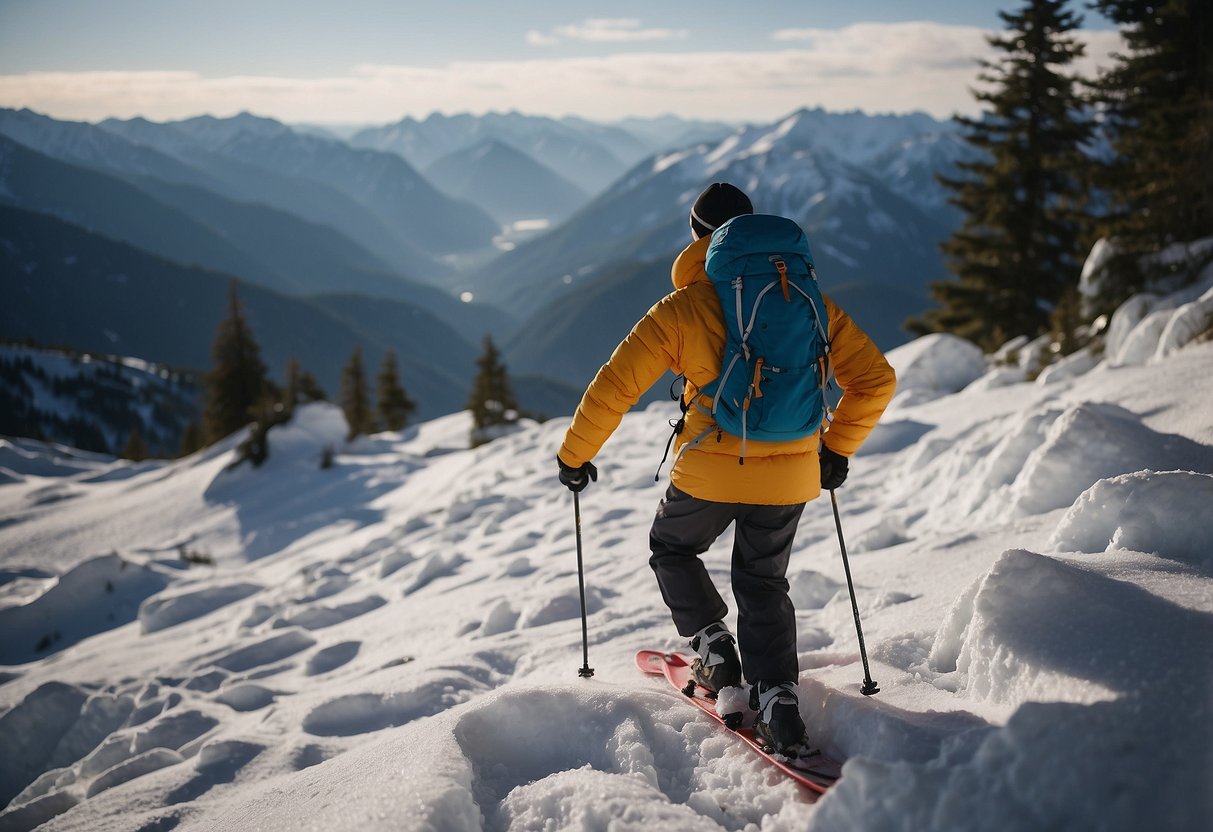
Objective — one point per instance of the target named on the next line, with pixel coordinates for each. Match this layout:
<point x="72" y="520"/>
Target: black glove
<point x="833" y="469"/>
<point x="576" y="479"/>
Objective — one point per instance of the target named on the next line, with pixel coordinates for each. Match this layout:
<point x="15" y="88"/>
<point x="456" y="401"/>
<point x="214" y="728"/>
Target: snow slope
<point x="392" y="642"/>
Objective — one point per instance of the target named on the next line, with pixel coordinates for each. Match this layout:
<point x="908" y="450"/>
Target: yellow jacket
<point x="685" y="332"/>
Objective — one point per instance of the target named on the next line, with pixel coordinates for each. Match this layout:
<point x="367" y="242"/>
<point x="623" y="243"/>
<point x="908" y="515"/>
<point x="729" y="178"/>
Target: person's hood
<point x="688" y="266"/>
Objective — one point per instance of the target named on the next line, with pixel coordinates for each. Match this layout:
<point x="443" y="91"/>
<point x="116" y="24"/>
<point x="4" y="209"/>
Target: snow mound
<point x="890" y="530"/>
<point x="933" y="366"/>
<point x="69" y="744"/>
<point x="1038" y="628"/>
<point x="1069" y="367"/>
<point x="1142" y="512"/>
<point x="1089" y="442"/>
<point x="1025" y="776"/>
<point x="97" y="595"/>
<point x="312" y="428"/>
<point x="1188" y="323"/>
<point x="423" y="695"/>
<point x="1148" y="327"/>
<point x="169" y="610"/>
<point x="1024" y="464"/>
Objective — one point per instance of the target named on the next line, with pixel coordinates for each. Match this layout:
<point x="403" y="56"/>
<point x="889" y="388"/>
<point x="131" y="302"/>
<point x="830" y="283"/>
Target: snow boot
<point x="778" y="723"/>
<point x="717" y="666"/>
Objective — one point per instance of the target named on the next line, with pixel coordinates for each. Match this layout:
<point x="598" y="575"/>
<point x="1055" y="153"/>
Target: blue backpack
<point x="776" y="363"/>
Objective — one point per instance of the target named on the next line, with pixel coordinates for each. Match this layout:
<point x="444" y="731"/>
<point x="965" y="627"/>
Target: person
<point x="709" y="491"/>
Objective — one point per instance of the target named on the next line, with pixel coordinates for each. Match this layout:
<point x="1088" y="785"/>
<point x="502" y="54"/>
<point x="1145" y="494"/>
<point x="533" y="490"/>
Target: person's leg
<point x="766" y="617"/>
<point x="684" y="528"/>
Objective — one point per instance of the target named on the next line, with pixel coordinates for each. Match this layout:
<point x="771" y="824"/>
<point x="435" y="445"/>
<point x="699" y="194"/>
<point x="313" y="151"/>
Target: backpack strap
<point x="677" y="424"/>
<point x="827" y="359"/>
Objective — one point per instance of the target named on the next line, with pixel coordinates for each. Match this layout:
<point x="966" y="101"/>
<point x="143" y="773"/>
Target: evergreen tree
<point x="1158" y="107"/>
<point x="290" y="390"/>
<point x="1065" y="322"/>
<point x="191" y="438"/>
<point x="238" y="377"/>
<point x="492" y="400"/>
<point x="1021" y="241"/>
<point x="395" y="406"/>
<point x="136" y="446"/>
<point x="301" y="386"/>
<point x="310" y="389"/>
<point x="355" y="401"/>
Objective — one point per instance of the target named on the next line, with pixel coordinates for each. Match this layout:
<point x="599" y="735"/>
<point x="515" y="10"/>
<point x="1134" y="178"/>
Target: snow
<point x="1136" y="512"/>
<point x="393" y="641"/>
<point x="933" y="366"/>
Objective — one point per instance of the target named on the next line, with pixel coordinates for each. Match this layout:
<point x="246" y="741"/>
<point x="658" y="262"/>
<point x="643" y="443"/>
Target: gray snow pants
<point x="685" y="527"/>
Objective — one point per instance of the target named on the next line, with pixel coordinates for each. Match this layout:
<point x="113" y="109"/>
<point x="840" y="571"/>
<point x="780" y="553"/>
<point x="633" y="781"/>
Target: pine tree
<point x="238" y="377"/>
<point x="136" y="446"/>
<point x="310" y="389"/>
<point x="1158" y="107"/>
<point x="1065" y="323"/>
<point x="1021" y="241"/>
<point x="191" y="438"/>
<point x="300" y="387"/>
<point x="492" y="400"/>
<point x="395" y="406"/>
<point x="290" y="390"/>
<point x="354" y="399"/>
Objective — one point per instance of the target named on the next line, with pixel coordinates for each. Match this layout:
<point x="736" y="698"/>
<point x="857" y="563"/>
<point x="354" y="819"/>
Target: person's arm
<point x="866" y="378"/>
<point x="648" y="351"/>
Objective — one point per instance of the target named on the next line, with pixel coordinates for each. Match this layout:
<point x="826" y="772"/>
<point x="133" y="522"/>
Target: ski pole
<point x="586" y="671"/>
<point x="869" y="687"/>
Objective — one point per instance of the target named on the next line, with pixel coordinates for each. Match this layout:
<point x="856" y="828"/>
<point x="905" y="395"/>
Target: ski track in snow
<point x="393" y="642"/>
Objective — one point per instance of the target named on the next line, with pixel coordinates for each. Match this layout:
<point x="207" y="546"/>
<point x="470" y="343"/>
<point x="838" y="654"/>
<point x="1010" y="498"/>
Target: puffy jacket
<point x="685" y="332"/>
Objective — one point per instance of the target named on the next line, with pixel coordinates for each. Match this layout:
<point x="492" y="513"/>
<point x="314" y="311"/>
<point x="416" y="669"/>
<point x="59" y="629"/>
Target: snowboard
<point x="816" y="772"/>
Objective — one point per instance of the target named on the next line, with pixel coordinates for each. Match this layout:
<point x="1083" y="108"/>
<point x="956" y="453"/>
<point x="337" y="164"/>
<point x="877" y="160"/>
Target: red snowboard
<point x="817" y="772"/>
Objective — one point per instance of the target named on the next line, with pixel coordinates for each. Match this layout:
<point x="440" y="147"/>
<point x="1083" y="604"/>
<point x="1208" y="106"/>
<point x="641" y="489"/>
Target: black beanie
<point x="718" y="204"/>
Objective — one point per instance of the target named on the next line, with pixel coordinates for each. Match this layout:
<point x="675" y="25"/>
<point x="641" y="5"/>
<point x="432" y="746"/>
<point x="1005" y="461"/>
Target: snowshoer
<point x="709" y="491"/>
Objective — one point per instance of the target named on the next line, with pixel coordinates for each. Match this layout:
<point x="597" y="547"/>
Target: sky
<point x="375" y="61"/>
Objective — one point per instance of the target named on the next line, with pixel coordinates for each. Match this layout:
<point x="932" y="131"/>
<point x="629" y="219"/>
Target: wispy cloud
<point x="535" y="38"/>
<point x="880" y="48"/>
<point x="875" y="67"/>
<point x="604" y="30"/>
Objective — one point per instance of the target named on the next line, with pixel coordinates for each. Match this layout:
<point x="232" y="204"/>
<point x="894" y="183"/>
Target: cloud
<point x="874" y="67"/>
<point x="604" y="30"/>
<point x="879" y="48"/>
<point x="616" y="30"/>
<point x="535" y="38"/>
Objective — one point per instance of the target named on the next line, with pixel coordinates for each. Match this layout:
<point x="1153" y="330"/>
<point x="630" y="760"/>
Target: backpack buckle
<point x="782" y="268"/>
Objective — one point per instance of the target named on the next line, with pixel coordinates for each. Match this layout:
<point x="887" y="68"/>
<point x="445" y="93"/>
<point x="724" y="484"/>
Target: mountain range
<point x="589" y="154"/>
<point x="67" y="286"/>
<point x="507" y="183"/>
<point x="873" y="224"/>
<point x="416" y="222"/>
